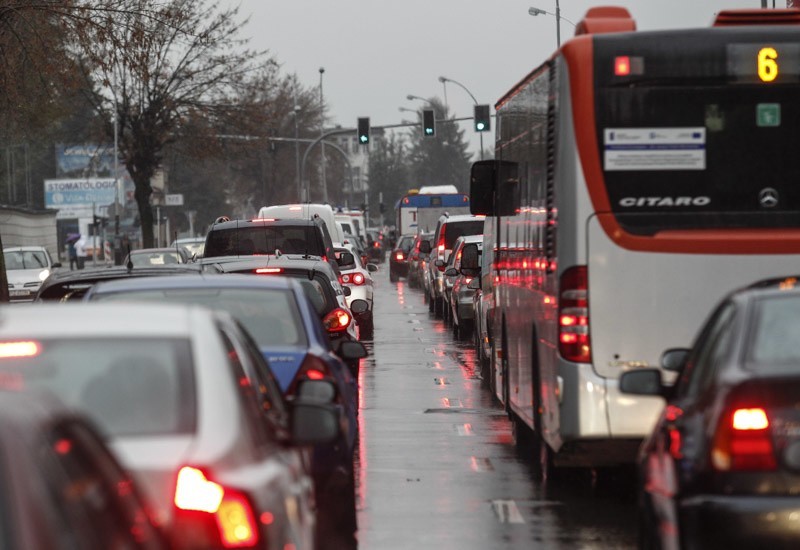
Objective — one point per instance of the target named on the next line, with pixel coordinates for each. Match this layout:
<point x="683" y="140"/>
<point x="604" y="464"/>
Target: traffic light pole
<point x="444" y="79"/>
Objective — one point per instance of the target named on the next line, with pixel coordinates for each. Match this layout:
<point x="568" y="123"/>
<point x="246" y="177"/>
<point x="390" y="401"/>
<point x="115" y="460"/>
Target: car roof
<point x="204" y="280"/>
<point x="470" y="239"/>
<point x="237" y="224"/>
<point x="83" y="278"/>
<point x="81" y="320"/>
<point x="291" y="261"/>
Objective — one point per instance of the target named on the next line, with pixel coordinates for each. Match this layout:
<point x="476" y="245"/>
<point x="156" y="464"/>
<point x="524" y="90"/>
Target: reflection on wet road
<point x="436" y="465"/>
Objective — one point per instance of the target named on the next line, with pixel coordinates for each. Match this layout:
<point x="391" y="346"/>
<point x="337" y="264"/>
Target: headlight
<point x="44" y="274"/>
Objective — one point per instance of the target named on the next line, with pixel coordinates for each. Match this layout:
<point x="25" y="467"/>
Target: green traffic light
<point x="363" y="139"/>
<point x="429" y="131"/>
<point x="480" y="126"/>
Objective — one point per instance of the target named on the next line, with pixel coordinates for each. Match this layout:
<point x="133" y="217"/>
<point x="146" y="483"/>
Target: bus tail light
<point x="337" y="320"/>
<point x="573" y="316"/>
<point x="743" y="441"/>
<point x="220" y="515"/>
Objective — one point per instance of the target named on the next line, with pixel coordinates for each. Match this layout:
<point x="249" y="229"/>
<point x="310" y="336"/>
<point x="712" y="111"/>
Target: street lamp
<point x="411" y="97"/>
<point x="322" y="131"/>
<point x="557" y="15"/>
<point x="444" y="79"/>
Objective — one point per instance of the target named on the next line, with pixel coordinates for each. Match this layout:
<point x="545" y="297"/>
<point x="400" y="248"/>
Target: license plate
<point x="19" y="293"/>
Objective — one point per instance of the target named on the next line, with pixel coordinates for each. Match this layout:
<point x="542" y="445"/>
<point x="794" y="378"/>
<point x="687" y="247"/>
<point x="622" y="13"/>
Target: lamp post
<point x="444" y="79"/>
<point x="296" y="111"/>
<point x="557" y="15"/>
<point x="322" y="131"/>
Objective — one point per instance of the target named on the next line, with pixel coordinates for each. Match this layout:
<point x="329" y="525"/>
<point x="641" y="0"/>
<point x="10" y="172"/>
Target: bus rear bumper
<point x="599" y="426"/>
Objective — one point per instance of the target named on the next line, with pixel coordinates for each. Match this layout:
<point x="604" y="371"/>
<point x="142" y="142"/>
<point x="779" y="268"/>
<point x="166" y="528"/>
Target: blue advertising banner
<point x="84" y="161"/>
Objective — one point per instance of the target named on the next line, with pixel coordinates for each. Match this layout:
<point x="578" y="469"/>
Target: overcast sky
<point x="376" y="52"/>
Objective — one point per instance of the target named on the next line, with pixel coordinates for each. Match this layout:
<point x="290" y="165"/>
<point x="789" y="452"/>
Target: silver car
<point x="189" y="405"/>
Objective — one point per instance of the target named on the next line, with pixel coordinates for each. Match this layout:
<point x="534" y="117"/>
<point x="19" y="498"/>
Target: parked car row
<point x="226" y="386"/>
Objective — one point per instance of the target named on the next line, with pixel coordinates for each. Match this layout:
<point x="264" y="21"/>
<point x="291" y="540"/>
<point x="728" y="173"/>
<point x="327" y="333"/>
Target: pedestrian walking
<point x="80" y="251"/>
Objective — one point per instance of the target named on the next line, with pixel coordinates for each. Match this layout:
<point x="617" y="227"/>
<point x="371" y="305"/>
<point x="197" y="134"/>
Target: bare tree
<point x="157" y="62"/>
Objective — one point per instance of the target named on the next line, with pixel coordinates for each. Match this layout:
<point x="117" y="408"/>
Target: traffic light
<point x="382" y="208"/>
<point x="428" y="123"/>
<point x="483" y="120"/>
<point x="363" y="130"/>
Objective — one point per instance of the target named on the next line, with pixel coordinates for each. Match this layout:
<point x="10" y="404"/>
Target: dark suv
<point x="267" y="236"/>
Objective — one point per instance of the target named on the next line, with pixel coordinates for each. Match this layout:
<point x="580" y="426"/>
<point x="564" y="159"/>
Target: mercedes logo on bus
<point x="768" y="197"/>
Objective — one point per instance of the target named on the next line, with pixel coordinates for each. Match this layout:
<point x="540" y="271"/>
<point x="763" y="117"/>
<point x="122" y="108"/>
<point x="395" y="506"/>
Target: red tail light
<point x="399" y="256"/>
<point x="743" y="441"/>
<point x="200" y="499"/>
<point x="353" y="279"/>
<point x="573" y="316"/>
<point x="312" y="368"/>
<point x="337" y="320"/>
<point x="376" y="244"/>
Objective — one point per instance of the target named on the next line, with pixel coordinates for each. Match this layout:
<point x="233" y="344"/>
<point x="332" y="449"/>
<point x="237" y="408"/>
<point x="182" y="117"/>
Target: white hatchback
<point x="26" y="268"/>
<point x="357" y="277"/>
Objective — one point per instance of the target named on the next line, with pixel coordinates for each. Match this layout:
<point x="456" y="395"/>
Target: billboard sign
<point x="75" y="198"/>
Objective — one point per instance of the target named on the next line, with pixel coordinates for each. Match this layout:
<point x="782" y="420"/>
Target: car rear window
<point x="271" y="316"/>
<point x="128" y="386"/>
<point x="454" y="230"/>
<point x="264" y="238"/>
<point x="405" y="243"/>
<point x="775" y="334"/>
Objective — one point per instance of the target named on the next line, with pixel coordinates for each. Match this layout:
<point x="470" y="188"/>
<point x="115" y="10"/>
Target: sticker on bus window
<point x="655" y="148"/>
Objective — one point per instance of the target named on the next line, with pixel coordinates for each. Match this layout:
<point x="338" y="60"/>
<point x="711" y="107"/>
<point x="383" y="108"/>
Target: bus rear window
<point x="685" y="147"/>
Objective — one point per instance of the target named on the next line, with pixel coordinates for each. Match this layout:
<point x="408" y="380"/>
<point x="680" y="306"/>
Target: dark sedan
<point x="398" y="259"/>
<point x="722" y="467"/>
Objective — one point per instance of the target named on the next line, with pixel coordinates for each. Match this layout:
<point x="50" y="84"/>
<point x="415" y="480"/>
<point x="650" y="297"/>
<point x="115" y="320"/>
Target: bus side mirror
<point x="494" y="188"/>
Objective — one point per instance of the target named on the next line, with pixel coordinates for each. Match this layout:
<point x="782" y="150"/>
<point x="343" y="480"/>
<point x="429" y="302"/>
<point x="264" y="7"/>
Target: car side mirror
<point x="313" y="423"/>
<point x="359" y="306"/>
<point x="318" y="391"/>
<point x="470" y="257"/>
<point x="424" y="247"/>
<point x="674" y="359"/>
<point x="372" y="268"/>
<point x="451" y="272"/>
<point x="350" y="350"/>
<point x="641" y="382"/>
<point x="439" y="263"/>
<point x="56" y="264"/>
<point x="474" y="284"/>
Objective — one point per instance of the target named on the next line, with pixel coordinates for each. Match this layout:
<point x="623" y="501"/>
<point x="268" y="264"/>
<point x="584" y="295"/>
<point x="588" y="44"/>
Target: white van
<point x="305" y="211"/>
<point x="354" y="220"/>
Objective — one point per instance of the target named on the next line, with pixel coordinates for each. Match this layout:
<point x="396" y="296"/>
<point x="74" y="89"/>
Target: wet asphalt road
<point x="436" y="465"/>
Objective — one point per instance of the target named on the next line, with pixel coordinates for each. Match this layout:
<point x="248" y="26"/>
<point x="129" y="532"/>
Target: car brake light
<point x="337" y="320"/>
<point x="398" y="256"/>
<point x="573" y="316"/>
<point x="195" y="492"/>
<point x="231" y="509"/>
<point x="19" y="349"/>
<point x="263" y="220"/>
<point x="269" y="270"/>
<point x="743" y="441"/>
<point x="312" y="368"/>
<point x="352" y="279"/>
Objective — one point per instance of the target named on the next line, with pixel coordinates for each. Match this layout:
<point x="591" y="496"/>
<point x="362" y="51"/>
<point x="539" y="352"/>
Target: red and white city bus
<point x="645" y="175"/>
